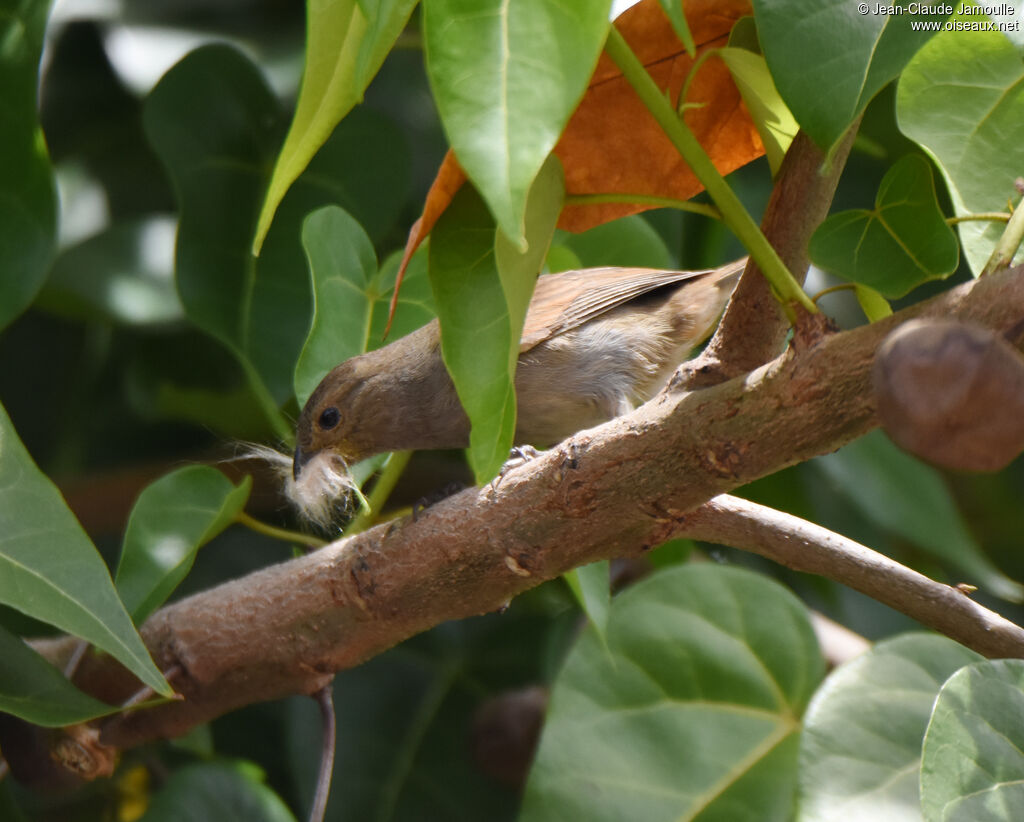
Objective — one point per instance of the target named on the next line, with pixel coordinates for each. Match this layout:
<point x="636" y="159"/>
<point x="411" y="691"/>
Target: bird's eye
<point x="329" y="418"/>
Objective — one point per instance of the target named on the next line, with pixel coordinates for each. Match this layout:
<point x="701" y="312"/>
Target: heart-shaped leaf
<point x="860" y="752"/>
<point x="972" y="763"/>
<point x="901" y="243"/>
<point x="693" y="709"/>
<point x="962" y="99"/>
<point x="799" y="39"/>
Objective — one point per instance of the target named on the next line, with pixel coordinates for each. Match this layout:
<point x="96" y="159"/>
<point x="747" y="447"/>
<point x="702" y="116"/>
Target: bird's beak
<point x="300" y="459"/>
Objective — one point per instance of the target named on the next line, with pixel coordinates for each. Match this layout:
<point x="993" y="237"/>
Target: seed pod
<point x="952" y="394"/>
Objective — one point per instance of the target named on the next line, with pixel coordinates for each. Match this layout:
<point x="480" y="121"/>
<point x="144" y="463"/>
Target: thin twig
<point x="146" y="692"/>
<point x="804" y="546"/>
<point x="325" y="699"/>
<point x="76" y="657"/>
<point x="382" y="489"/>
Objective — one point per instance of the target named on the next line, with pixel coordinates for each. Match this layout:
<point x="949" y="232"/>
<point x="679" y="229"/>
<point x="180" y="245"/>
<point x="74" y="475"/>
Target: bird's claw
<point x="519" y="455"/>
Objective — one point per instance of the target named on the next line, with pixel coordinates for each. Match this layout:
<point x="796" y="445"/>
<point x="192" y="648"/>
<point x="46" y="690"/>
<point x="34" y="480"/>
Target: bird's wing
<point x="566" y="300"/>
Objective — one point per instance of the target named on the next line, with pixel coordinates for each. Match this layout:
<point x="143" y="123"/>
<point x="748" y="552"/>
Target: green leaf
<point x="773" y="120"/>
<point x="217" y="791"/>
<point x="628" y="241"/>
<point x="910" y="499"/>
<point x="346" y="42"/>
<point x="590" y="585"/>
<point x="873" y="304"/>
<point x="415" y="299"/>
<point x="31" y="688"/>
<point x="213" y="122"/>
<point x="51" y="571"/>
<point x="799" y="39"/>
<point x="342" y="265"/>
<point x="475" y="330"/>
<point x="677" y="17"/>
<point x="351" y="297"/>
<point x="693" y="710"/>
<point x="903" y="242"/>
<point x="482" y="286"/>
<point x="518" y="269"/>
<point x="117" y="276"/>
<point x="972" y="763"/>
<point x="28" y="197"/>
<point x="962" y="99"/>
<point x="860" y="752"/>
<point x="506" y="77"/>
<point x="172" y="519"/>
<point x="561" y="258"/>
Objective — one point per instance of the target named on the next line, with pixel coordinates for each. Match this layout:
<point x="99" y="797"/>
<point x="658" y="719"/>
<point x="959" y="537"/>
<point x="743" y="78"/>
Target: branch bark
<point x="614" y="490"/>
<point x="754" y="329"/>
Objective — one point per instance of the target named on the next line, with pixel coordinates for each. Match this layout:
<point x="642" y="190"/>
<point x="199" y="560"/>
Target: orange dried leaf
<point x="613" y="145"/>
<point x="448" y="181"/>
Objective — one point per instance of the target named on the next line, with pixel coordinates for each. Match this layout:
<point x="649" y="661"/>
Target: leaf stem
<point x="242" y="518"/>
<point x="1013" y="234"/>
<point x="644" y="199"/>
<point x="984" y="216"/>
<point x="785" y="286"/>
<point x="832" y="289"/>
<point x="382" y="489"/>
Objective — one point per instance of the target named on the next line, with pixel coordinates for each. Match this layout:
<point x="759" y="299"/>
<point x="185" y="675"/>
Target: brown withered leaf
<point x="613" y="145"/>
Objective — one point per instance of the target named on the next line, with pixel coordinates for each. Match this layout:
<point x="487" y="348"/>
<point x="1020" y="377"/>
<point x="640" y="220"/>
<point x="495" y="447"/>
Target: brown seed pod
<point x="952" y="394"/>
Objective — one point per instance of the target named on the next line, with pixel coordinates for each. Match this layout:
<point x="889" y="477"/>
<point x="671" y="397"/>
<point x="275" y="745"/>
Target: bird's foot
<point x="519" y="455"/>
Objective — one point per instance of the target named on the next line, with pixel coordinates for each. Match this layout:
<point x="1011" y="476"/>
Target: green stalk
<point x="381" y="491"/>
<point x="984" y="216"/>
<point x="787" y="289"/>
<point x="1013" y="234"/>
<point x="266" y="529"/>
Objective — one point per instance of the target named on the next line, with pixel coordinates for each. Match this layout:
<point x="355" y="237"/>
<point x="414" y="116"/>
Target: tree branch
<point x="804" y="546"/>
<point x="754" y="329"/>
<point x="614" y="490"/>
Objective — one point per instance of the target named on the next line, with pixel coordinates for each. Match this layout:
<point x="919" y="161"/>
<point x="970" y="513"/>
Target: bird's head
<point x="326" y="444"/>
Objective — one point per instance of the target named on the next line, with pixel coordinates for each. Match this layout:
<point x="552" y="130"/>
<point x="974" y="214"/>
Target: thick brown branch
<point x="610" y="491"/>
<point x="754" y="329"/>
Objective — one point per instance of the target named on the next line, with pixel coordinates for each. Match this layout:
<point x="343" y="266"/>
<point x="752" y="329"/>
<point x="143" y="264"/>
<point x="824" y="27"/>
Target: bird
<point x="595" y="344"/>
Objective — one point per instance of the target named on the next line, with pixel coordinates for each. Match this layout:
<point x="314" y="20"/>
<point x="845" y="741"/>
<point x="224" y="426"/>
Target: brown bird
<point x="595" y="344"/>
